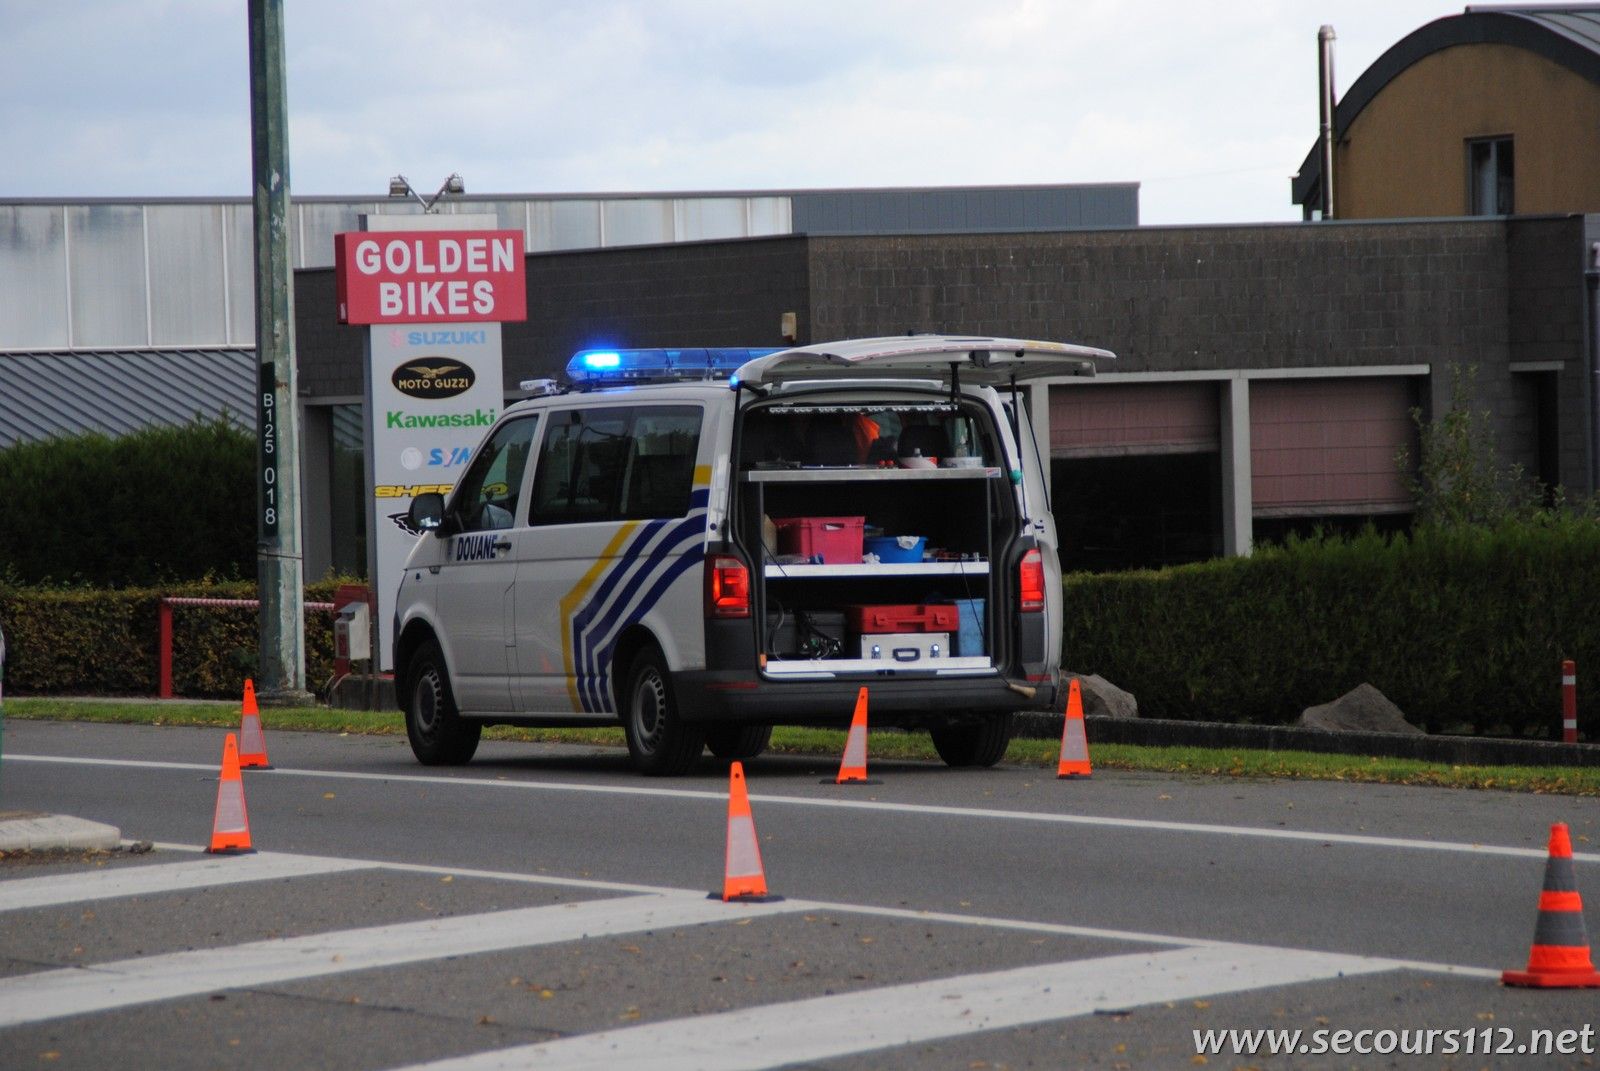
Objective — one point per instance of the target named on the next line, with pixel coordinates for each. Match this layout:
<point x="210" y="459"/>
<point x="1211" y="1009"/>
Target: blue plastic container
<point x="969" y="640"/>
<point x="889" y="550"/>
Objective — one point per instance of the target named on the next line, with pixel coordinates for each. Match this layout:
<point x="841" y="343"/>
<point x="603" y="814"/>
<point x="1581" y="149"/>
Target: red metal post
<point x="164" y="648"/>
<point x="1569" y="702"/>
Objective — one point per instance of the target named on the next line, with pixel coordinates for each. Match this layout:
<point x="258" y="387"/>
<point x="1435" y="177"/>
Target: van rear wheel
<point x="439" y="735"/>
<point x="973" y="743"/>
<point x="660" y="742"/>
<point x="735" y="743"/>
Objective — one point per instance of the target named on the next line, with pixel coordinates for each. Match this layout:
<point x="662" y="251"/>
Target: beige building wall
<point x="1405" y="154"/>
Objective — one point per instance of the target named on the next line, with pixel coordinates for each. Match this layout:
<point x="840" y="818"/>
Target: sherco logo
<point x="478" y="418"/>
<point x="410" y="490"/>
<point x="446" y="338"/>
<point x="433" y="377"/>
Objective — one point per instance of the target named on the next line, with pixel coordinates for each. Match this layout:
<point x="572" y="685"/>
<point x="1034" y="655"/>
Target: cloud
<point x="1211" y="106"/>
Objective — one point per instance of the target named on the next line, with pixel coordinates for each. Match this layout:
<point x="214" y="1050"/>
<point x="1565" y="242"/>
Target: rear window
<point x="804" y="436"/>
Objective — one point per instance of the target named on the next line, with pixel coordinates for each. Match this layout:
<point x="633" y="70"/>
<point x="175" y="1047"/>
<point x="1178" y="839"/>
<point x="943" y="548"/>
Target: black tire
<point x="660" y="742"/>
<point x="439" y="735"/>
<point x="735" y="743"/>
<point x="974" y="743"/>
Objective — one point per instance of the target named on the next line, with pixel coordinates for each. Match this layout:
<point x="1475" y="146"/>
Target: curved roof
<point x="1567" y="34"/>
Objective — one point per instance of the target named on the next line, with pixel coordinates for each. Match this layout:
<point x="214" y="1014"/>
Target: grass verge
<point x="1558" y="780"/>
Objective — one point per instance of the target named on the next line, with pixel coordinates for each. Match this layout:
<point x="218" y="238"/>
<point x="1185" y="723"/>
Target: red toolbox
<point x="835" y="540"/>
<point x="932" y="617"/>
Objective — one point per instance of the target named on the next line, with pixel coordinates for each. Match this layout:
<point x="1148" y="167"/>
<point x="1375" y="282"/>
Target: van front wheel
<point x="439" y="735"/>
<point x="659" y="741"/>
<point x="973" y="743"/>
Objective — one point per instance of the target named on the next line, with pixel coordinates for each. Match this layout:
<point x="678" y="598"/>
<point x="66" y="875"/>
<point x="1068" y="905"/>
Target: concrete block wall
<point x="730" y="293"/>
<point x="1443" y="293"/>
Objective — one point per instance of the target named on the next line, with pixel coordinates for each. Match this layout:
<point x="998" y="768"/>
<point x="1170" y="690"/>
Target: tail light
<point x="1030" y="582"/>
<point x="727" y="586"/>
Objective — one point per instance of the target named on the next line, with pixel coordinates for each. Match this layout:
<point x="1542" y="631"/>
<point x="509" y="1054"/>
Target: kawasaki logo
<point x="478" y="418"/>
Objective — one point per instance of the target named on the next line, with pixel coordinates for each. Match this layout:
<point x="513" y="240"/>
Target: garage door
<point x="1129" y="419"/>
<point x="1328" y="446"/>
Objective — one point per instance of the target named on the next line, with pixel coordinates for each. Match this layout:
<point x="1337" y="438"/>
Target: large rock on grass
<point x="1100" y="696"/>
<point x="1363" y="709"/>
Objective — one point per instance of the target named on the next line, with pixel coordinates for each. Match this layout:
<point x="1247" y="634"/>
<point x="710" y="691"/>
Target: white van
<point x="706" y="543"/>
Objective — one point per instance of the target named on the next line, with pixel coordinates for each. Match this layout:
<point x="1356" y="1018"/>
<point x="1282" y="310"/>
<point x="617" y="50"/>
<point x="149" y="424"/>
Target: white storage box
<point x="905" y="647"/>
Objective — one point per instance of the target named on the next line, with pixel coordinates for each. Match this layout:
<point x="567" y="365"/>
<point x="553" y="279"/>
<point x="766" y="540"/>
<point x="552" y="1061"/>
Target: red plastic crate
<point x="933" y="617"/>
<point x="836" y="540"/>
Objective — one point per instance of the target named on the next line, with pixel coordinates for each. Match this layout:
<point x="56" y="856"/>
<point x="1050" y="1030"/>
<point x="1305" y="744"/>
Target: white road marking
<point x="52" y="994"/>
<point x="823" y="1028"/>
<point x="21" y="893"/>
<point x="1359" y="840"/>
<point x="982" y="921"/>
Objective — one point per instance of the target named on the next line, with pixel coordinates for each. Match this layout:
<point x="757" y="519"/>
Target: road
<point x="545" y="907"/>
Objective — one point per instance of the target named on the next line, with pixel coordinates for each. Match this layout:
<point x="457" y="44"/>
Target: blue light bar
<point x="608" y="368"/>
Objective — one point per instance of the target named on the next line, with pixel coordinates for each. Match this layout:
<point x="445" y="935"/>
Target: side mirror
<point x="427" y="513"/>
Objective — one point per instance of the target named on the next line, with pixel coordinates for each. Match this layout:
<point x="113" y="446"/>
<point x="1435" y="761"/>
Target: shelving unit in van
<point x="953" y="508"/>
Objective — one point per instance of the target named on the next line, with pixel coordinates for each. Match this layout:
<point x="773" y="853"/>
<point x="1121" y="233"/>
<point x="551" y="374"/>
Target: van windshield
<point x="888" y="435"/>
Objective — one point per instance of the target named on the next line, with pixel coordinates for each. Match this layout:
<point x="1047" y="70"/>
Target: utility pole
<point x="278" y="559"/>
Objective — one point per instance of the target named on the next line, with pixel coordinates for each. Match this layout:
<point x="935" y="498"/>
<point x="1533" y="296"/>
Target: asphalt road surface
<point x="544" y="907"/>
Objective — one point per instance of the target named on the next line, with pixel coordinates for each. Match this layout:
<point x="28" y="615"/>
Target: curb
<point x="33" y="831"/>
<point x="1450" y="750"/>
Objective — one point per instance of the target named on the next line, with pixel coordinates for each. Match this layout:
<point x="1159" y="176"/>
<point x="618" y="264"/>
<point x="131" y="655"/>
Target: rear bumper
<point x="739" y="697"/>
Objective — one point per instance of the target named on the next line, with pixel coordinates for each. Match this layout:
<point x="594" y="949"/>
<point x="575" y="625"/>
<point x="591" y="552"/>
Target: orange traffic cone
<point x="1074" y="739"/>
<point x="743" y="878"/>
<point x="1560" y="955"/>
<point x="230" y="829"/>
<point x="853" y="767"/>
<point x="252" y="741"/>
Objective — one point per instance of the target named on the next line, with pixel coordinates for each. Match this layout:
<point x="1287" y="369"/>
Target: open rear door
<point x="974" y="359"/>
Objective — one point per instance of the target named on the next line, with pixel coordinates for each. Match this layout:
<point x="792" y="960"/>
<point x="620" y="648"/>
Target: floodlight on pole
<point x="399" y="186"/>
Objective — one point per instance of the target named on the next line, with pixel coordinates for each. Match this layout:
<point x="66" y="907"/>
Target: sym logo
<point x="433" y="377"/>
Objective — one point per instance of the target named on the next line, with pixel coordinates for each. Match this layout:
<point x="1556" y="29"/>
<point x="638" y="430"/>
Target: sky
<point x="1209" y="106"/>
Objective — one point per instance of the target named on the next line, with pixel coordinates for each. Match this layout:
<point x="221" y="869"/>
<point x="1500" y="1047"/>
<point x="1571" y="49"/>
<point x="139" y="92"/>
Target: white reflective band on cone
<point x="230" y="808"/>
<point x="744" y="857"/>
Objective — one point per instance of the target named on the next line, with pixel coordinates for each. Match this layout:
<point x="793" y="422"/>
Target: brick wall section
<point x="328" y="353"/>
<point x="1345" y="294"/>
<point x="691" y="294"/>
<point x="1546" y="322"/>
<point x="1168" y="299"/>
<point x="1440" y="293"/>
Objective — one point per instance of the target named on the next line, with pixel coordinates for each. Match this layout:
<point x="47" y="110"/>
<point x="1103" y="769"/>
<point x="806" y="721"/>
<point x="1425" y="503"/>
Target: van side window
<point x="623" y="463"/>
<point x="487" y="495"/>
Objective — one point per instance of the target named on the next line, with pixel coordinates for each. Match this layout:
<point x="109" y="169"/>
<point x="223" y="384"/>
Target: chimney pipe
<point x="1325" y="101"/>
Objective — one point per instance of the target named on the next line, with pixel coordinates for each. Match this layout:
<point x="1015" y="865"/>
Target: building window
<point x="1491" y="177"/>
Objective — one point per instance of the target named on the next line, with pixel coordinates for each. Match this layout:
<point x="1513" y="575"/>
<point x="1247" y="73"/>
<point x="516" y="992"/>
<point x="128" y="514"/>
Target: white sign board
<point x="432" y="391"/>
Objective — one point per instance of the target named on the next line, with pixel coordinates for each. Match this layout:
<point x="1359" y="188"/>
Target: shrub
<point x="80" y="641"/>
<point x="154" y="506"/>
<point x="1459" y="626"/>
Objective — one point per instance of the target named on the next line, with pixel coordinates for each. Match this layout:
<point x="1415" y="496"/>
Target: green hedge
<point x="1460" y="628"/>
<point x="70" y="641"/>
<point x="156" y="505"/>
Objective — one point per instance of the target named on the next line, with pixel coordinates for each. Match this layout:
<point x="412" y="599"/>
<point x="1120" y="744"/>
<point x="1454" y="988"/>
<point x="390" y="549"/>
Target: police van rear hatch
<point x="971" y="359"/>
